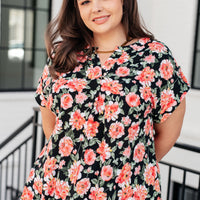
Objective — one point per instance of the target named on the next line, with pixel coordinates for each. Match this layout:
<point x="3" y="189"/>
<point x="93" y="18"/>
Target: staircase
<point x="22" y="148"/>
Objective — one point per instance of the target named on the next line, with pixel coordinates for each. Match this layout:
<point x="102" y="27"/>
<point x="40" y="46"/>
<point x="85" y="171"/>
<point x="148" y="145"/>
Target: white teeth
<point x="99" y="19"/>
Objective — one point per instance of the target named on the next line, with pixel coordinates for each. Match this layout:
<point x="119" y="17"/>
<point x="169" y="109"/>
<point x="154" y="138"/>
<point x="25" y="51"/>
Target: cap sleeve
<point x="170" y="88"/>
<point x="42" y="94"/>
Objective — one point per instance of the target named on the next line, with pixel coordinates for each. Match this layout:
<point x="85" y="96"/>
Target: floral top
<point x="102" y="147"/>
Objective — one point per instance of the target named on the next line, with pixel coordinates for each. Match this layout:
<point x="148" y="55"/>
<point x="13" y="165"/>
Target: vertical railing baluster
<point x="6" y="182"/>
<point x="34" y="138"/>
<point x="1" y="188"/>
<point x="43" y="140"/>
<point x="199" y="189"/>
<point x="19" y="167"/>
<point x="169" y="182"/>
<point x="25" y="163"/>
<point x="12" y="175"/>
<point x="183" y="186"/>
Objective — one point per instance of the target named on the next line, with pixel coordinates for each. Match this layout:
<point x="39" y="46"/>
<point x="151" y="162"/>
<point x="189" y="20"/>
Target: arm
<point x="48" y="121"/>
<point x="168" y="132"/>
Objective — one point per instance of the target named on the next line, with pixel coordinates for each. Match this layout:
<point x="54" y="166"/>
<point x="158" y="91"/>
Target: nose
<point x="97" y="6"/>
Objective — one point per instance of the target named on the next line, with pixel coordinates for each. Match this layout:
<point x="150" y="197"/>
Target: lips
<point x="101" y="19"/>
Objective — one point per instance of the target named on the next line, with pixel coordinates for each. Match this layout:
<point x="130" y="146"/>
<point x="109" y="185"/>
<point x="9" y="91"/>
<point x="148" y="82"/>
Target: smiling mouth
<point x="101" y="19"/>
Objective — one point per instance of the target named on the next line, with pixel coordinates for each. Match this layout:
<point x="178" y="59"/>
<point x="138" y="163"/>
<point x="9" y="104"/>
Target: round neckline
<point x="135" y="42"/>
<point x="125" y="46"/>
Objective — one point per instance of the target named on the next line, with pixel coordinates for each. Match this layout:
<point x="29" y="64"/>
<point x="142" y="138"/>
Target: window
<point x="189" y="193"/>
<point x="22" y="48"/>
<point x="196" y="64"/>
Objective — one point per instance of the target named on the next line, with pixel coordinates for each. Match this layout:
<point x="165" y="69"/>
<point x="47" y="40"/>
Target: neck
<point x="109" y="41"/>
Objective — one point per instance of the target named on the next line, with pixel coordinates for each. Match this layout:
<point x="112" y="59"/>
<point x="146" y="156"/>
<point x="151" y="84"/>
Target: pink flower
<point x="133" y="131"/>
<point x="91" y="127"/>
<point x="106" y="173"/>
<point x="146" y="76"/>
<point x="127" y="152"/>
<point x="122" y="71"/>
<point x="37" y="186"/>
<point x="150" y="59"/>
<point x="81" y="97"/>
<point x="83" y="186"/>
<point x="166" y="69"/>
<point x="167" y="100"/>
<point x="66" y="101"/>
<point x="27" y="193"/>
<point x="157" y="47"/>
<point x="111" y="111"/>
<point x="111" y="86"/>
<point x="139" y="152"/>
<point x="124" y="175"/>
<point x="123" y="58"/>
<point x="89" y="157"/>
<point x="126" y="120"/>
<point x="31" y="175"/>
<point x="97" y="193"/>
<point x="77" y="120"/>
<point x="104" y="151"/>
<point x="50" y="166"/>
<point x="99" y="103"/>
<point x="140" y="192"/>
<point x="132" y="99"/>
<point x="50" y="187"/>
<point x="75" y="171"/>
<point x="126" y="193"/>
<point x="94" y="73"/>
<point x="116" y="130"/>
<point x="65" y="146"/>
<point x="76" y="84"/>
<point x="61" y="190"/>
<point x="150" y="174"/>
<point x="137" y="170"/>
<point x="61" y="164"/>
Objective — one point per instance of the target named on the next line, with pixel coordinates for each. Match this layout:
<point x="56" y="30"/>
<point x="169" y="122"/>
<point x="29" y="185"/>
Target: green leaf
<point x="94" y="181"/>
<point x="114" y="195"/>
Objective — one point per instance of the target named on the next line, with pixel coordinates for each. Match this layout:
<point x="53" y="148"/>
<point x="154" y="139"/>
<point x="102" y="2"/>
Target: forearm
<point x="48" y="121"/>
<point x="163" y="144"/>
<point x="168" y="132"/>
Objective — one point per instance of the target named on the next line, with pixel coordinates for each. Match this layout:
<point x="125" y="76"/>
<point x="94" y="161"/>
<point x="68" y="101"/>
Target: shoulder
<point x="157" y="46"/>
<point x="46" y="73"/>
<point x="159" y="50"/>
<point x="149" y="46"/>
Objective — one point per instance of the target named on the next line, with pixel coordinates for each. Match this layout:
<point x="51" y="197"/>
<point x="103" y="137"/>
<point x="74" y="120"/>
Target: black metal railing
<point x="16" y="164"/>
<point x="22" y="147"/>
<point x="173" y="194"/>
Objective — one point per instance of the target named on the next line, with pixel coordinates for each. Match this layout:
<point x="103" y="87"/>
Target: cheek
<point x="84" y="16"/>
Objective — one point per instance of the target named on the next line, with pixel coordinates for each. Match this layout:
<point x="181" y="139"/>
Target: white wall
<point x="15" y="108"/>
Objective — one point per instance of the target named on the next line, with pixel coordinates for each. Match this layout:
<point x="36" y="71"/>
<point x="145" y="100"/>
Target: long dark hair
<point x="67" y="34"/>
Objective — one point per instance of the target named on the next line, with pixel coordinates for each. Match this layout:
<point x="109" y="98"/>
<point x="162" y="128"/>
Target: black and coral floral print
<point x="102" y="147"/>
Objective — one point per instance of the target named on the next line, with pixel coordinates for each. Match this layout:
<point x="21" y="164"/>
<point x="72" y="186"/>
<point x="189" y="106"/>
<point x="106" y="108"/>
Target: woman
<point x="112" y="104"/>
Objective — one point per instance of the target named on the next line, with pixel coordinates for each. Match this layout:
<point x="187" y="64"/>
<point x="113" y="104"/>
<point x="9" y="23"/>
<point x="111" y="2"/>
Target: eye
<point x="85" y="2"/>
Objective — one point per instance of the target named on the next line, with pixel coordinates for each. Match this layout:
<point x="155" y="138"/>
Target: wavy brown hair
<point x="67" y="34"/>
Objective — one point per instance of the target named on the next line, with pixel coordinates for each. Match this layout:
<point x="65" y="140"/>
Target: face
<point x="101" y="16"/>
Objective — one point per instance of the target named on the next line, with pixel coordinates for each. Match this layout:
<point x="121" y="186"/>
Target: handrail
<point x="15" y="133"/>
<point x="187" y="147"/>
<point x="24" y="142"/>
